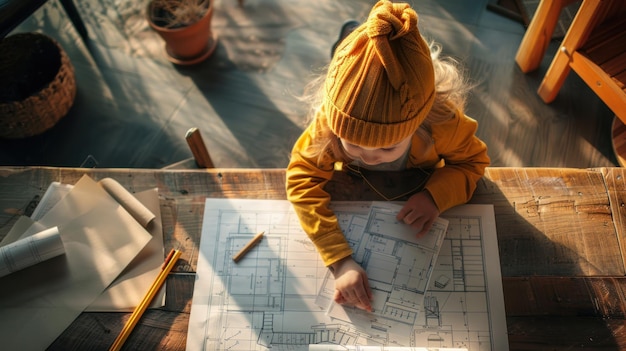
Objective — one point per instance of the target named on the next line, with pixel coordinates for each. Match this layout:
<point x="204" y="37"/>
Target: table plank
<point x="552" y="221"/>
<point x="615" y="180"/>
<point x="565" y="333"/>
<point x="603" y="297"/>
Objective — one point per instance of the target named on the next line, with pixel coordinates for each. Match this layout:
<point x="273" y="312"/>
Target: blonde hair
<point x="451" y="89"/>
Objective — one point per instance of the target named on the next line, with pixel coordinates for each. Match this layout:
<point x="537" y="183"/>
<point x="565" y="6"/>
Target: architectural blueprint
<point x="279" y="295"/>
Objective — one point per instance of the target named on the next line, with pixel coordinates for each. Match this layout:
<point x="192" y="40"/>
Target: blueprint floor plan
<point x="440" y="291"/>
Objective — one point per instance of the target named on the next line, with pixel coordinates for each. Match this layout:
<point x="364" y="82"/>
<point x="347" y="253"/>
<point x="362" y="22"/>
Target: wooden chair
<point x="594" y="47"/>
<point x="201" y="157"/>
<point x="198" y="148"/>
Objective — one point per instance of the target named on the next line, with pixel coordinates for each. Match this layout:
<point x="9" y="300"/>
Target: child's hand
<point x="351" y="284"/>
<point x="420" y="212"/>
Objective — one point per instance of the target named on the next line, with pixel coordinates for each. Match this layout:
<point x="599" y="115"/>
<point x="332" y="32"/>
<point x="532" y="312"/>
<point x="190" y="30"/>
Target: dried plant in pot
<point x="185" y="26"/>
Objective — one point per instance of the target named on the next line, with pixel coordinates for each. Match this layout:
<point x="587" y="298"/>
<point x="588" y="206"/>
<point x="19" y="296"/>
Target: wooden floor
<point x="133" y="107"/>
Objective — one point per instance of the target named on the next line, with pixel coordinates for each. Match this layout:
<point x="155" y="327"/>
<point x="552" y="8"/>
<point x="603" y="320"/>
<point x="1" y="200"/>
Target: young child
<point x="387" y="103"/>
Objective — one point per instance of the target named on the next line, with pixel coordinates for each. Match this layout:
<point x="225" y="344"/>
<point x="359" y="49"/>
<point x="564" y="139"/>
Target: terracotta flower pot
<point x="186" y="45"/>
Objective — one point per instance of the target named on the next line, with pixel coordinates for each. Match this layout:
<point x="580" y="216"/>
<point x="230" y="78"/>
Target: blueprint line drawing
<point x="279" y="295"/>
<point x="398" y="266"/>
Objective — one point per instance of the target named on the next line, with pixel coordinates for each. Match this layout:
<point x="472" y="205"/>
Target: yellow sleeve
<point x="305" y="190"/>
<point x="465" y="158"/>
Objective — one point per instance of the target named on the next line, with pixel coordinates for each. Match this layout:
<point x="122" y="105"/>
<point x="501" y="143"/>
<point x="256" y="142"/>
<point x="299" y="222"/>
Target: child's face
<point x="374" y="156"/>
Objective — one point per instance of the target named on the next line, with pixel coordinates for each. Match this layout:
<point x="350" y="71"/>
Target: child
<point x="388" y="103"/>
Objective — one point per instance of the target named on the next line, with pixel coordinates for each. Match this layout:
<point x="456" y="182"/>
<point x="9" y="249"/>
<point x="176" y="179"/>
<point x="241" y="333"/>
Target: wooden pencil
<point x="248" y="246"/>
<point x="168" y="264"/>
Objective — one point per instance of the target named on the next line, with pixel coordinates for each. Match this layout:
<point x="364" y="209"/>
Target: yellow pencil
<point x="248" y="246"/>
<point x="169" y="263"/>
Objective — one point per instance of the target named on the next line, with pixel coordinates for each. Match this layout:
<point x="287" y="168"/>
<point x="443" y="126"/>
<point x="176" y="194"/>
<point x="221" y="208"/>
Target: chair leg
<point x="539" y="34"/>
<point x="577" y="34"/>
<point x="77" y="21"/>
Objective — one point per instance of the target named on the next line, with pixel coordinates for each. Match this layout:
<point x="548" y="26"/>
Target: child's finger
<point x="403" y="212"/>
<point x="366" y="284"/>
<point x="363" y="301"/>
<point x="365" y="296"/>
<point x="338" y="297"/>
<point x="426" y="228"/>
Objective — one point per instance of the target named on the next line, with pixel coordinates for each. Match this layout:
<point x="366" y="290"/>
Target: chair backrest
<point x="198" y="148"/>
<point x="201" y="157"/>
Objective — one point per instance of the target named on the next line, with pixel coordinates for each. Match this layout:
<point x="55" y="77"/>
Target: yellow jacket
<point x="458" y="159"/>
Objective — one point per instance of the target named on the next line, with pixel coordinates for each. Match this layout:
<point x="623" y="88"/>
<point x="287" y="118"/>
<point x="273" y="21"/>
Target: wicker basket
<point x="38" y="84"/>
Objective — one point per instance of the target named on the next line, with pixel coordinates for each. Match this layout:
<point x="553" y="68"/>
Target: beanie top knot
<point x="380" y="84"/>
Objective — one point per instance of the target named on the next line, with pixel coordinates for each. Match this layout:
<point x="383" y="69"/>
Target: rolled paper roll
<point x="31" y="250"/>
<point x="136" y="209"/>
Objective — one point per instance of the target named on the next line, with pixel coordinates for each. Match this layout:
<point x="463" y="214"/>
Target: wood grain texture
<point x="565" y="333"/>
<point x="615" y="180"/>
<point x="552" y="222"/>
<point x="560" y="234"/>
<point x="565" y="296"/>
<point x="158" y="329"/>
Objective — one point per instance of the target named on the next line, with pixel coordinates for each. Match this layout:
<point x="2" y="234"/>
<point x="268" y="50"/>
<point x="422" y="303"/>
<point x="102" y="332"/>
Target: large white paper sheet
<point x="275" y="297"/>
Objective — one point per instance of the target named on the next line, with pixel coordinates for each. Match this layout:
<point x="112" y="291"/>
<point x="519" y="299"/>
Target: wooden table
<point x="561" y="236"/>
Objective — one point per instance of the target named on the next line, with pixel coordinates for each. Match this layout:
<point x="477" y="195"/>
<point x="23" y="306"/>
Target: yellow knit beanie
<point x="380" y="84"/>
